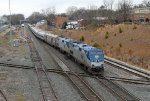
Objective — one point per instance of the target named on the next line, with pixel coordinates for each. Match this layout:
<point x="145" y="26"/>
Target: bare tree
<point x="49" y="14"/>
<point x="92" y="12"/>
<point x="70" y="10"/>
<point x="124" y="10"/>
<point x="15" y="18"/>
<point x="146" y="3"/>
<point x="111" y="4"/>
<point x="111" y="7"/>
<point x="36" y="17"/>
<point x="106" y="3"/>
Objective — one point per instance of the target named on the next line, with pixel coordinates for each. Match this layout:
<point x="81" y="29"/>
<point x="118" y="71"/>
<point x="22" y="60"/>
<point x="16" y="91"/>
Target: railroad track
<point x="121" y="93"/>
<point x="128" y="68"/>
<point x="16" y="66"/>
<point x="2" y="96"/>
<point x="84" y="89"/>
<point x="46" y="87"/>
<point x="134" y="81"/>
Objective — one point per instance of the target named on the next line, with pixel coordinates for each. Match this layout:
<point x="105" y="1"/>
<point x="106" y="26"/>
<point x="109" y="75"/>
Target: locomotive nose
<point x="96" y="68"/>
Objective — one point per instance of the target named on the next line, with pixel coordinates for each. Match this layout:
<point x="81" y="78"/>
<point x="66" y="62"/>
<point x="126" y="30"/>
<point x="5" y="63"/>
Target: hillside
<point x="129" y="43"/>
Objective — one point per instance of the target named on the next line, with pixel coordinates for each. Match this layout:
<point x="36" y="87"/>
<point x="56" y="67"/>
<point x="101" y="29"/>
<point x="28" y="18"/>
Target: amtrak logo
<point x="96" y="56"/>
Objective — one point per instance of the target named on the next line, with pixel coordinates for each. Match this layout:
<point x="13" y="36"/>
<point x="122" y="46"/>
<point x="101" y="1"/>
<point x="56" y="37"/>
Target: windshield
<point x="95" y="56"/>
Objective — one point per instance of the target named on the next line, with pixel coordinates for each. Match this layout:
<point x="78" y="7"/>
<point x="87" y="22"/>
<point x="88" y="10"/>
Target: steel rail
<point x="135" y="81"/>
<point x="117" y="90"/>
<point x="89" y="87"/>
<point x="85" y="90"/>
<point x="44" y="81"/>
<point x="3" y="95"/>
<point x="17" y="66"/>
<point x="79" y="89"/>
<point x="127" y="68"/>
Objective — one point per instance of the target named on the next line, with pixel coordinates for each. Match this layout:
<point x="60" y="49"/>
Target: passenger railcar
<point x="38" y="33"/>
<point x="50" y="39"/>
<point x="62" y="43"/>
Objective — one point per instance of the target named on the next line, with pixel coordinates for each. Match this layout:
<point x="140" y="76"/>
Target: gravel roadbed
<point x="19" y="84"/>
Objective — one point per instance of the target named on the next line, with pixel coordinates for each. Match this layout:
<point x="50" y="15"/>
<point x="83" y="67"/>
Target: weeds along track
<point x="46" y="87"/>
<point x="119" y="92"/>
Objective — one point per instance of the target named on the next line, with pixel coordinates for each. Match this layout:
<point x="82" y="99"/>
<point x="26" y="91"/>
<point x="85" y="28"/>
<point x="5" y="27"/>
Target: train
<point x="90" y="57"/>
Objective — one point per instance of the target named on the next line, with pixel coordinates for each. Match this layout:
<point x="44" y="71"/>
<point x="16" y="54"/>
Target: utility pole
<point x="10" y="26"/>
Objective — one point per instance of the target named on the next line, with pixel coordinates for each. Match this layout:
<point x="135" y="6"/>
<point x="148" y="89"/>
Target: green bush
<point x="120" y="45"/>
<point x="120" y="30"/>
<point x="82" y="38"/>
<point x="134" y="27"/>
<point x="106" y="35"/>
<point x="131" y="39"/>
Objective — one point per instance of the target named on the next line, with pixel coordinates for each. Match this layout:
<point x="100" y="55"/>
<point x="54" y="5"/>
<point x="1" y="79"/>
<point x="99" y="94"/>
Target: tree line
<point x="74" y="13"/>
<point x="15" y="18"/>
<point x="122" y="12"/>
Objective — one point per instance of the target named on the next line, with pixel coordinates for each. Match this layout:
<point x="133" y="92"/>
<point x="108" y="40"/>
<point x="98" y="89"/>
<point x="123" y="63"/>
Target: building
<point x="59" y="21"/>
<point x="72" y="24"/>
<point x="141" y="14"/>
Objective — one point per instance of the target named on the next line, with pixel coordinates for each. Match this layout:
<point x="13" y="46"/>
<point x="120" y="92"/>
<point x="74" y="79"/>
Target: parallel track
<point x="133" y="81"/>
<point x="127" y="68"/>
<point x="121" y="93"/>
<point x="46" y="87"/>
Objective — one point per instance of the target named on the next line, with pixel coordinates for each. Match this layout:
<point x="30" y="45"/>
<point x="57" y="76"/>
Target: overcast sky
<point x="26" y="7"/>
